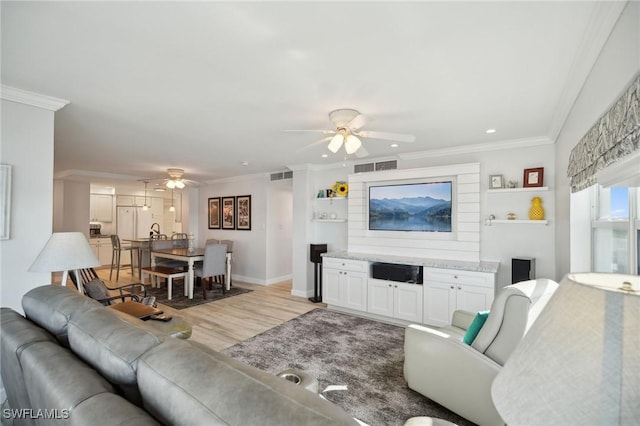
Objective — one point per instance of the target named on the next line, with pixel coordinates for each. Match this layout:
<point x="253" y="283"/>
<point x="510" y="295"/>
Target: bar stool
<point x="116" y="254"/>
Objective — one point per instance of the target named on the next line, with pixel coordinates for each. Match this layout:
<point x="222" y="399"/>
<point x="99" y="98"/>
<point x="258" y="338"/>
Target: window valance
<point x="614" y="136"/>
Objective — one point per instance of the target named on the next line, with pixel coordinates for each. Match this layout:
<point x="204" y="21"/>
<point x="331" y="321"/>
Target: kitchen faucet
<point x="157" y="230"/>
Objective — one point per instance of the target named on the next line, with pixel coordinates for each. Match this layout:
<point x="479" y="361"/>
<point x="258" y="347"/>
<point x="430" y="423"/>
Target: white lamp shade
<point x="336" y="143"/>
<point x="179" y="184"/>
<point x="580" y="361"/>
<point x="65" y="251"/>
<point x="171" y="184"/>
<point x="352" y="144"/>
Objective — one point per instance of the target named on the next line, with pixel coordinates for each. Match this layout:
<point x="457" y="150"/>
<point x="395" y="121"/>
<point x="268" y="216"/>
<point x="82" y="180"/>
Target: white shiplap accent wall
<point x="463" y="244"/>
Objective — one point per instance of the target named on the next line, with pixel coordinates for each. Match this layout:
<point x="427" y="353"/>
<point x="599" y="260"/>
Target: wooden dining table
<point x="190" y="256"/>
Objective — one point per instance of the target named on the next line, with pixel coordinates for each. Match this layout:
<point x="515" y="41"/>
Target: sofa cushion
<point x="52" y="306"/>
<point x="183" y="384"/>
<point x="74" y="393"/>
<point x="475" y="326"/>
<point x="112" y="346"/>
<point x="17" y="334"/>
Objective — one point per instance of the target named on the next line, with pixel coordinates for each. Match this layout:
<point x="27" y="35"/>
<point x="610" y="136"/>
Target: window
<point x="615" y="242"/>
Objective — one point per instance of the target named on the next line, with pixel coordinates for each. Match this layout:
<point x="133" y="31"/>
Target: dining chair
<point x="229" y="244"/>
<point x="163" y="245"/>
<point x="179" y="236"/>
<point x="116" y="255"/>
<point x="213" y="267"/>
<point x="153" y="237"/>
<point x="96" y="289"/>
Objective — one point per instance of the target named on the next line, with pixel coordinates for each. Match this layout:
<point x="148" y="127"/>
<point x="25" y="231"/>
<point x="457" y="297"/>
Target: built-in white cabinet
<point x="101" y="208"/>
<point x="102" y="249"/>
<point x="345" y="283"/>
<point x="446" y="290"/>
<point x="394" y="299"/>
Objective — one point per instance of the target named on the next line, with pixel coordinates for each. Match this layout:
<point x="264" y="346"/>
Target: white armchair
<point x="459" y="376"/>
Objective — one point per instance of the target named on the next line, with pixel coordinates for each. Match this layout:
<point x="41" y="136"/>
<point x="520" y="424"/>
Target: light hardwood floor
<point x="224" y="323"/>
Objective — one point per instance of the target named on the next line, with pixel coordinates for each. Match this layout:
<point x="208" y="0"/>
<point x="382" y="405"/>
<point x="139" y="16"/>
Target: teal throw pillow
<point x="475" y="326"/>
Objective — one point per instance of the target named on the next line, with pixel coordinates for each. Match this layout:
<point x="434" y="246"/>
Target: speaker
<point x="316" y="251"/>
<point x="523" y="269"/>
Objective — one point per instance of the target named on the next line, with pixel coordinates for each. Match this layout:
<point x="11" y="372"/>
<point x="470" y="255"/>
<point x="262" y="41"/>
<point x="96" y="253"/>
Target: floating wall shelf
<point x="490" y="222"/>
<point x="529" y="189"/>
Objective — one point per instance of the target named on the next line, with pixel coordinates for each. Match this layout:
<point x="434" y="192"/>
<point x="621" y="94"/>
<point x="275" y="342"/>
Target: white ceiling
<point x="204" y="86"/>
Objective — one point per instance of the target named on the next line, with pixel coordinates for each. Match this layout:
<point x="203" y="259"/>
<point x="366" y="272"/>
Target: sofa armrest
<point x="462" y="319"/>
<point x="439" y="366"/>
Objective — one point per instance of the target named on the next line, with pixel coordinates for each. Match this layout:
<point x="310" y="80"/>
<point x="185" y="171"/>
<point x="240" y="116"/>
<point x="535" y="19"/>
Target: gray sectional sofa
<point x="72" y="361"/>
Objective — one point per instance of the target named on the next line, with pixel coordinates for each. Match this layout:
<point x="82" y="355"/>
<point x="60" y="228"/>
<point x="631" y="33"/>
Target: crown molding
<point x="241" y="178"/>
<point x="30" y="98"/>
<point x="603" y="19"/>
<point x="469" y="149"/>
<point x="75" y="174"/>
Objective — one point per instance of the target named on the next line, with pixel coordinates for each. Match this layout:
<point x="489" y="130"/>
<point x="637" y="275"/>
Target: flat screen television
<point x="421" y="207"/>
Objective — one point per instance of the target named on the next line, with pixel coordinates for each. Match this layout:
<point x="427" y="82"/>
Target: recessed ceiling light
<point x="394" y="145"/>
<point x="489" y="131"/>
<point x="245" y="163"/>
<point x="325" y="155"/>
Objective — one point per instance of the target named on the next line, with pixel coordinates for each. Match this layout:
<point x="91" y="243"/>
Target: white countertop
<point x="482" y="266"/>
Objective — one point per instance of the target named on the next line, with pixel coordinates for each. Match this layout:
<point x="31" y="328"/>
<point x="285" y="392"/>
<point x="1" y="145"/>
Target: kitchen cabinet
<point x="446" y="290"/>
<point x="102" y="249"/>
<point x="345" y="283"/>
<point x="101" y="208"/>
<point x="395" y="299"/>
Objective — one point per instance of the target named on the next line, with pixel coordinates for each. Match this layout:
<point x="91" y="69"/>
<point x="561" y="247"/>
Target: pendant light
<point x="172" y="208"/>
<point x="145" y="207"/>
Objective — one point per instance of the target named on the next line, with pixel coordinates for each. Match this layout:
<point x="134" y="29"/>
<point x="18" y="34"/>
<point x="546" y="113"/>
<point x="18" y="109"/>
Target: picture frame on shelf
<point x="243" y="209"/>
<point x="496" y="182"/>
<point x="533" y="177"/>
<point x="228" y="212"/>
<point x="214" y="213"/>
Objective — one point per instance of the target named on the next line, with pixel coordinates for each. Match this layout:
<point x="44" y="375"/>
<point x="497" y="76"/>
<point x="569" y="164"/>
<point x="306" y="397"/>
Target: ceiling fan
<point x="348" y="124"/>
<point x="175" y="179"/>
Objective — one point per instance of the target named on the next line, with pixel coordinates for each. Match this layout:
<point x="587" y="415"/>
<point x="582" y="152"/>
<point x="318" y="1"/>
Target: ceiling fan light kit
<point x="347" y="123"/>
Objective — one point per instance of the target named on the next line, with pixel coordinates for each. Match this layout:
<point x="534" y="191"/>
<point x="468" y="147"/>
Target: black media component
<point x="522" y="269"/>
<point x="315" y="252"/>
<point x="411" y="274"/>
<point x="315" y="256"/>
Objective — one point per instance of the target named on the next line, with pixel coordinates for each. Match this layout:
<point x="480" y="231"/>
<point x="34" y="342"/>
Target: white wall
<point x="27" y="145"/>
<point x="253" y="249"/>
<point x="615" y="68"/>
<point x="71" y="206"/>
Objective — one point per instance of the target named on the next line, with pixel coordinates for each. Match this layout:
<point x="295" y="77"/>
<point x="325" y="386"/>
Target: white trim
<point x="482" y="147"/>
<point x="30" y="98"/>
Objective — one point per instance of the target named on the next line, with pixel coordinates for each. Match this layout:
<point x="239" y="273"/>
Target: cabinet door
<point x="473" y="299"/>
<point x="380" y="297"/>
<point x="105" y="253"/>
<point x="407" y="302"/>
<point x="331" y="286"/>
<point x="354" y="290"/>
<point x="101" y="207"/>
<point x="95" y="248"/>
<point x="439" y="303"/>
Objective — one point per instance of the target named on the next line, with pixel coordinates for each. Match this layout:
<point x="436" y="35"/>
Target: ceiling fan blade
<point x="399" y="137"/>
<point x="359" y="121"/>
<point x="326" y="132"/>
<point x="311" y="145"/>
<point x="361" y="152"/>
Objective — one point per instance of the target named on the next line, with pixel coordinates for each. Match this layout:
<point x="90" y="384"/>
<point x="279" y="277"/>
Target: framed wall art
<point x="496" y="182"/>
<point x="243" y="204"/>
<point x="228" y="213"/>
<point x="533" y="177"/>
<point x="214" y="213"/>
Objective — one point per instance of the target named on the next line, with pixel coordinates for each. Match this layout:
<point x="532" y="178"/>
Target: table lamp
<point x="579" y="364"/>
<point x="63" y="252"/>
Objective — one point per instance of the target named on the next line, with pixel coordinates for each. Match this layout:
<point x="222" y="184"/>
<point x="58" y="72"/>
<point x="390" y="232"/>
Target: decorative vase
<point x="536" y="212"/>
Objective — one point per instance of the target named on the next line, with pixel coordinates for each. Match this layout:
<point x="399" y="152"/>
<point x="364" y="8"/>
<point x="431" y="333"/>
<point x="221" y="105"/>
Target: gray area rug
<point x="180" y="301"/>
<point x="366" y="356"/>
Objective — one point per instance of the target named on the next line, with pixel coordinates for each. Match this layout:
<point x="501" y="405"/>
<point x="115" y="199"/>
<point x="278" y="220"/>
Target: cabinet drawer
<point x="452" y="276"/>
<point x="345" y="264"/>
